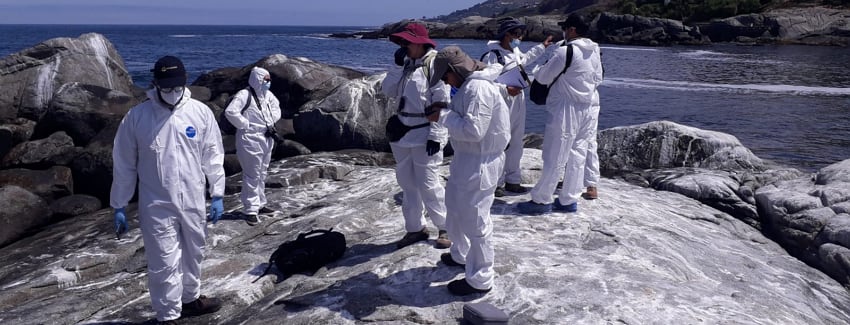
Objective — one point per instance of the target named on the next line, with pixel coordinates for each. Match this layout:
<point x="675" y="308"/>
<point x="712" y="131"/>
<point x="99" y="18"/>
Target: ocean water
<point x="789" y="104"/>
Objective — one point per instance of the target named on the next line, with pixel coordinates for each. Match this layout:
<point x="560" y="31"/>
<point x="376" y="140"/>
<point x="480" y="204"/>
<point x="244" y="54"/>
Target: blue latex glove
<point x="120" y="222"/>
<point x="216" y="209"/>
<point x="432" y="147"/>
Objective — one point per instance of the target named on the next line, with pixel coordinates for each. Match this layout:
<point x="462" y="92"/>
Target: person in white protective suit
<point x="569" y="125"/>
<point x="419" y="152"/>
<point x="171" y="143"/>
<point x="479" y="128"/>
<point x="255" y="139"/>
<point x="505" y="50"/>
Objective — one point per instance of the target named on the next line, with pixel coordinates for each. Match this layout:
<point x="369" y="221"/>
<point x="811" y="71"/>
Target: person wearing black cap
<point x="479" y="128"/>
<point x="505" y="50"/>
<point x="419" y="152"/>
<point x="171" y="144"/>
<point x="570" y="126"/>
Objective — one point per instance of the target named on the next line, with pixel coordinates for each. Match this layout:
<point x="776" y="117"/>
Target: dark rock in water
<point x="74" y="205"/>
<point x="82" y="110"/>
<point x="22" y="211"/>
<point x="799" y="25"/>
<point x="31" y="77"/>
<point x="289" y="148"/>
<point x="51" y="151"/>
<point x="637" y="30"/>
<point x="50" y="184"/>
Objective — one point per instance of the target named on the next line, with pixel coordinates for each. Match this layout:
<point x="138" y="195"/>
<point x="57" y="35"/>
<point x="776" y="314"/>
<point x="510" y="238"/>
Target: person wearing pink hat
<point x="419" y="152"/>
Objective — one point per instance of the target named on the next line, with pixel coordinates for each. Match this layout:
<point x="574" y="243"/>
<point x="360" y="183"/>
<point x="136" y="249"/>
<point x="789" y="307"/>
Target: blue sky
<point x="215" y="12"/>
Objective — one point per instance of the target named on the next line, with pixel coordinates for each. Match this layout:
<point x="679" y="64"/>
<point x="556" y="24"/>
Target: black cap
<point x="168" y="72"/>
<point x="575" y="20"/>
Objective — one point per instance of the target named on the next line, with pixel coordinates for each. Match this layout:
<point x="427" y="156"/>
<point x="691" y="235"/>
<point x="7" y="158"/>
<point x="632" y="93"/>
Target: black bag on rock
<point x="538" y="92"/>
<point x="307" y="253"/>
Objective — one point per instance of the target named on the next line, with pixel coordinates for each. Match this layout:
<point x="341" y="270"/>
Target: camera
<point x="272" y="133"/>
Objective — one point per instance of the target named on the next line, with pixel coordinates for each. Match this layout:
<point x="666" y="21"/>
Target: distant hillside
<point x="688" y="11"/>
<point x="490" y="8"/>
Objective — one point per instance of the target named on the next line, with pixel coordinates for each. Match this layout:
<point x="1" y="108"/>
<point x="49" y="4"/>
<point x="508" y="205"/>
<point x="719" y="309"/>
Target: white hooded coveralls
<point x="516" y="104"/>
<point x="569" y="124"/>
<point x="416" y="172"/>
<point x="174" y="154"/>
<point x="591" y="167"/>
<point x="479" y="129"/>
<point x="253" y="148"/>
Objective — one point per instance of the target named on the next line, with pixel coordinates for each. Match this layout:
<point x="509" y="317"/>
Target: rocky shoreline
<point x="693" y="205"/>
<point x="808" y="26"/>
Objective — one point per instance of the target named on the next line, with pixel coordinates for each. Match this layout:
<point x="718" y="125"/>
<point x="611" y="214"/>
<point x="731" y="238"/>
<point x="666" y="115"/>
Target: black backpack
<point x="224" y="124"/>
<point x="538" y="92"/>
<point x="307" y="253"/>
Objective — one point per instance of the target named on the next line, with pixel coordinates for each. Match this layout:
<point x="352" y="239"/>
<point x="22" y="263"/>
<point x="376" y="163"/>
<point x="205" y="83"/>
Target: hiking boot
<point x="500" y="192"/>
<point x="591" y="193"/>
<point x="516" y="188"/>
<point x="462" y="288"/>
<point x="447" y="259"/>
<point x="412" y="237"/>
<point x="533" y="208"/>
<point x="564" y="208"/>
<point x="443" y="241"/>
<point x="201" y="306"/>
<point x="252" y="219"/>
<point x="265" y="210"/>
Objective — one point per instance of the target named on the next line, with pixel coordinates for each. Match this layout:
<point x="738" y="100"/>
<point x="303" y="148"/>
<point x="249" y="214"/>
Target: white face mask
<point x="173" y="97"/>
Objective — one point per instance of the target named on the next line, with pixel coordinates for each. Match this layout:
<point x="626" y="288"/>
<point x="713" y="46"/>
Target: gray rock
<point x="74" y="205"/>
<point x="82" y="111"/>
<point x="31" y="77"/>
<point x="638" y="30"/>
<point x="14" y="133"/>
<point x="802" y="25"/>
<point x="636" y="255"/>
<point x="50" y="184"/>
<point x="22" y="211"/>
<point x="57" y="149"/>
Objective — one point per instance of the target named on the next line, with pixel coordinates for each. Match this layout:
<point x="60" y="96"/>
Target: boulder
<point x="22" y="211"/>
<point x="82" y="110"/>
<point x="74" y="205"/>
<point x="814" y="25"/>
<point x="638" y="30"/>
<point x="31" y="77"/>
<point x="50" y="184"/>
<point x="57" y="149"/>
<point x="14" y="133"/>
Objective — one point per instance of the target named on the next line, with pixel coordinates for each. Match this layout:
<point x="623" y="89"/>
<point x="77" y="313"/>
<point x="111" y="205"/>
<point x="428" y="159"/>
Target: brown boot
<point x="201" y="306"/>
<point x="443" y="241"/>
<point x="591" y="193"/>
<point x="412" y="237"/>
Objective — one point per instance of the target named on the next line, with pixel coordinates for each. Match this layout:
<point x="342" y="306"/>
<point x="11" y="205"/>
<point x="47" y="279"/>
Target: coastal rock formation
<point x="638" y="30"/>
<point x="31" y="77"/>
<point x="672" y="260"/>
<point x="809" y="25"/>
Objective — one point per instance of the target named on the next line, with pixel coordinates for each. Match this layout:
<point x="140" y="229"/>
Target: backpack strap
<point x="499" y="57"/>
<point x="569" y="61"/>
<point x="426" y="64"/>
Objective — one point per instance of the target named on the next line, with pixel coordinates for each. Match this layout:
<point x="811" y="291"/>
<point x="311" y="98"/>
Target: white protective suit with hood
<point x="253" y="147"/>
<point x="174" y="154"/>
<point x="569" y="124"/>
<point x="479" y="128"/>
<point x="517" y="105"/>
<point x="416" y="172"/>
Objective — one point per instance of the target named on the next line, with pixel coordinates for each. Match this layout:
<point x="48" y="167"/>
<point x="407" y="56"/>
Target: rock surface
<point x="635" y="255"/>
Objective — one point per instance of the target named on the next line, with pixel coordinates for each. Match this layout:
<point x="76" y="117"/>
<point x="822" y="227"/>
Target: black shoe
<point x="201" y="306"/>
<point x="252" y="219"/>
<point x="516" y="188"/>
<point x="462" y="288"/>
<point x="412" y="237"/>
<point x="500" y="192"/>
<point x="265" y="210"/>
<point x="447" y="259"/>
